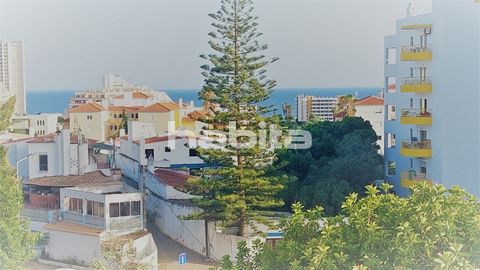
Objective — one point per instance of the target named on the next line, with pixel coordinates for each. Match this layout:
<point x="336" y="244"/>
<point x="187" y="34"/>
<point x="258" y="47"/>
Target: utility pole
<point x="79" y="141"/>
<point x="207" y="240"/>
<point x="141" y="187"/>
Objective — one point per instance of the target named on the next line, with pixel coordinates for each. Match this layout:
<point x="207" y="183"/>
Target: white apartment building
<point x="432" y="121"/>
<point x="12" y="82"/>
<point x="114" y="81"/>
<point x="371" y="109"/>
<point x="313" y="106"/>
<point x="35" y="125"/>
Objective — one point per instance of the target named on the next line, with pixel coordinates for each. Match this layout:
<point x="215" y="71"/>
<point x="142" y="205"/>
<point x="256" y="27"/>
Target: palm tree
<point x="346" y="104"/>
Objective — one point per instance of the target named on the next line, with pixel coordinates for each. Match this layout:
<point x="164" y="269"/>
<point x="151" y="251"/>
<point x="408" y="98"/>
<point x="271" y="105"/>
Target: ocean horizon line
<point x="191" y="89"/>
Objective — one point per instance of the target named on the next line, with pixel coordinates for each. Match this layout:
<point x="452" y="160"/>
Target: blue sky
<point x="320" y="43"/>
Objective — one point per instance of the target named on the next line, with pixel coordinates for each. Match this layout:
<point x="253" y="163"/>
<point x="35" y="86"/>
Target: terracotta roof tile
<point x="121" y="108"/>
<point x="370" y="100"/>
<point x="176" y="179"/>
<point x="160" y="107"/>
<point x="88" y="107"/>
<point x="89" y="179"/>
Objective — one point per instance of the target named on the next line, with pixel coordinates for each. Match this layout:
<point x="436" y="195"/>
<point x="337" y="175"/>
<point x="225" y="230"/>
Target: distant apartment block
<point x="432" y="117"/>
<point x="114" y="81"/>
<point x="313" y="106"/>
<point x="12" y="82"/>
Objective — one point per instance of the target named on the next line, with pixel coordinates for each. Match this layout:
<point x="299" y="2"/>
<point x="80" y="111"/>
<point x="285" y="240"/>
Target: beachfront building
<point x="35" y="125"/>
<point x="371" y="109"/>
<point x="315" y="107"/>
<point x="433" y="89"/>
<point x="12" y="81"/>
<point x="161" y="115"/>
<point x="51" y="155"/>
<point x="118" y="92"/>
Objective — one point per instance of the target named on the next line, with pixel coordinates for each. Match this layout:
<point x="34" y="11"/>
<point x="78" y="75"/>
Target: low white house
<point x="36" y="124"/>
<point x="175" y="150"/>
<point x="95" y="213"/>
<point x="51" y="155"/>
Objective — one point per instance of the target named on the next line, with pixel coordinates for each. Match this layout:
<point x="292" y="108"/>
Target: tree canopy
<point x="343" y="159"/>
<point x="240" y="184"/>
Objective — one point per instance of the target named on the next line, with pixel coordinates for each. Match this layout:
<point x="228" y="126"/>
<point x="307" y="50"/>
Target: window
<point x="89" y="117"/>
<point x="75" y="205"/>
<point x="391" y="84"/>
<point x="125" y="209"/>
<point x="391" y="56"/>
<point x="411" y="163"/>
<point x="135" y="208"/>
<point x="149" y="153"/>
<point x="379" y="138"/>
<point x="391" y="115"/>
<point x="43" y="163"/>
<point x="168" y="150"/>
<point x="95" y="209"/>
<point x="391" y="140"/>
<point x="192" y="152"/>
<point x="114" y="210"/>
<point x="391" y="168"/>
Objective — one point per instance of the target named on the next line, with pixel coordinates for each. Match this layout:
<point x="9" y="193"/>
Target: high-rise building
<point x="312" y="106"/>
<point x="12" y="74"/>
<point x="432" y="102"/>
<point x="114" y="81"/>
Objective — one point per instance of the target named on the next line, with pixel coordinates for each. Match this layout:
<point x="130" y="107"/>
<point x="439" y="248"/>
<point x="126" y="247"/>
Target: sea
<point x="56" y="101"/>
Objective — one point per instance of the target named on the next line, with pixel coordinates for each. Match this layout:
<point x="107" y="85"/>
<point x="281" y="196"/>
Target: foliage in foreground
<point x="16" y="240"/>
<point x="434" y="228"/>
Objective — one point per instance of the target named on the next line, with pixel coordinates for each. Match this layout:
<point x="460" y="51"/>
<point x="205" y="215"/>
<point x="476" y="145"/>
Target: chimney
<point x="150" y="166"/>
<point x="130" y="131"/>
<point x="410" y="10"/>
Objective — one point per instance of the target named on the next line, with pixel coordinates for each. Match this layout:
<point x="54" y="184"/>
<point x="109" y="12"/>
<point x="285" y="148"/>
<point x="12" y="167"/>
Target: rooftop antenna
<point x="410" y="9"/>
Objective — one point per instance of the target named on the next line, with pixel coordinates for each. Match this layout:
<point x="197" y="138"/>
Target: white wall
<point x="65" y="246"/>
<point x="375" y="115"/>
<point x="456" y="91"/>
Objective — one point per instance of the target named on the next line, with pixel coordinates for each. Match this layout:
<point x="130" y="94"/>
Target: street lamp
<point x="18" y="163"/>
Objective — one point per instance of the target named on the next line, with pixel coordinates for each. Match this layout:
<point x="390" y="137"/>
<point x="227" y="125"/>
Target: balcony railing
<point x="410" y="144"/>
<point x="410" y="178"/>
<point x="413" y="116"/>
<point x="413" y="148"/>
<point x="416" y="53"/>
<point x="416" y="85"/>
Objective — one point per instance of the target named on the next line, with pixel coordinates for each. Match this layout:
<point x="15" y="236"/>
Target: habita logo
<point x="262" y="137"/>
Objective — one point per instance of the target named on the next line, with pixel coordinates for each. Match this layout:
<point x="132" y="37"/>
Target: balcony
<point x="410" y="178"/>
<point x="415" y="117"/>
<point x="416" y="85"/>
<point x="412" y="148"/>
<point x="415" y="53"/>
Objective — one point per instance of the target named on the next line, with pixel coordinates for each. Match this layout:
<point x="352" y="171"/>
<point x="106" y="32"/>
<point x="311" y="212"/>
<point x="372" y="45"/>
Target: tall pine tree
<point x="16" y="241"/>
<point x="241" y="184"/>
